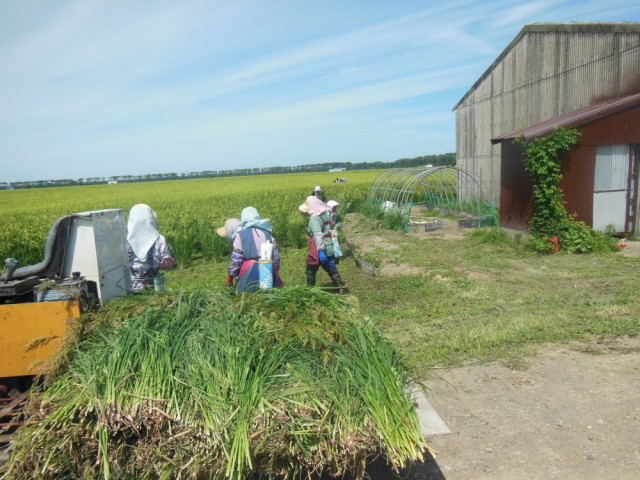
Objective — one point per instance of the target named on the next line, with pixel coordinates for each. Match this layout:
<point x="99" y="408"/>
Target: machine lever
<point x="10" y="264"/>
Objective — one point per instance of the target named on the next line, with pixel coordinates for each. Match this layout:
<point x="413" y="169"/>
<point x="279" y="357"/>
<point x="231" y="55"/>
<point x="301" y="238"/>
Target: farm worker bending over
<point x="229" y="231"/>
<point x="246" y="251"/>
<point x="321" y="251"/>
<point x="148" y="250"/>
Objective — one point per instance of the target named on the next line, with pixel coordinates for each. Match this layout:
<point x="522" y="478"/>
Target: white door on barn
<point x="612" y="189"/>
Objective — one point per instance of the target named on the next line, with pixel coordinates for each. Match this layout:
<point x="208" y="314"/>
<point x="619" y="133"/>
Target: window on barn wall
<point x="614" y="194"/>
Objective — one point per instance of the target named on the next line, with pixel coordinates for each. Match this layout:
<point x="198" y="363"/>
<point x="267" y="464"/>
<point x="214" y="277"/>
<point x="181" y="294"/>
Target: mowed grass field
<point x="477" y="295"/>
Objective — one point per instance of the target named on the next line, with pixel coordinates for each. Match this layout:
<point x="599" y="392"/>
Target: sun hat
<point x="317" y="189"/>
<point x="229" y="229"/>
<point x="222" y="231"/>
<point x="304" y="208"/>
<point x="332" y="203"/>
<point x="314" y="206"/>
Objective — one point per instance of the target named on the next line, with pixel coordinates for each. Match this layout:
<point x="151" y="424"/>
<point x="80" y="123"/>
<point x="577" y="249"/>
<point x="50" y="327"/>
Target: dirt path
<point x="572" y="413"/>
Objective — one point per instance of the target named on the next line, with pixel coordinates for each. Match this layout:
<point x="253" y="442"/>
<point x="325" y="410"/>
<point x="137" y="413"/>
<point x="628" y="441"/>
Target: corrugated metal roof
<point x="570" y="27"/>
<point x="573" y="119"/>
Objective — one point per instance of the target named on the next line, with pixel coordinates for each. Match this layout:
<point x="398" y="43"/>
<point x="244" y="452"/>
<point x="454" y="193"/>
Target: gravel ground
<point x="573" y="412"/>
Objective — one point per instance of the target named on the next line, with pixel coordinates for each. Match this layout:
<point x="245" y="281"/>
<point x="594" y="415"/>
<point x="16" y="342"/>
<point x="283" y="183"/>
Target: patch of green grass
<point x="486" y="297"/>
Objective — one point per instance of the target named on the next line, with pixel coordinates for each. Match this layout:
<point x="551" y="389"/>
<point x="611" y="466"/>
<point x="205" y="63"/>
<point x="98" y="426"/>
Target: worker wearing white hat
<point x="318" y="193"/>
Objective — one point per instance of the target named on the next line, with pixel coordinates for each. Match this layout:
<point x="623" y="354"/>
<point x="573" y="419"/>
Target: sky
<point x="99" y="88"/>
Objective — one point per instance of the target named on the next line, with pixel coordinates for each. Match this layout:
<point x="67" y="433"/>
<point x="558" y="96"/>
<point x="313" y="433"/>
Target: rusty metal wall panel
<point x="516" y="204"/>
<point x="577" y="182"/>
<point x="622" y="127"/>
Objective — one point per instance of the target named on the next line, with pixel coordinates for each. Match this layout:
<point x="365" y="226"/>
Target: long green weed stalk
<point x="208" y="384"/>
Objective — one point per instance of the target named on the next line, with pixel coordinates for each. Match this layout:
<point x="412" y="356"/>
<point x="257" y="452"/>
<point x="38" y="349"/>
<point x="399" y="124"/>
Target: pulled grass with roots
<point x="282" y="384"/>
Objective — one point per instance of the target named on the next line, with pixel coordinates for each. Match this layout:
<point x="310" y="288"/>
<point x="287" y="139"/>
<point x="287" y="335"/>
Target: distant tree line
<point x="434" y="160"/>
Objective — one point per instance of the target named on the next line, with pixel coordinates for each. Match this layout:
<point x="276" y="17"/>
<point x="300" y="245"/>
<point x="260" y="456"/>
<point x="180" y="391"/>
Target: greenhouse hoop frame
<point x="425" y="196"/>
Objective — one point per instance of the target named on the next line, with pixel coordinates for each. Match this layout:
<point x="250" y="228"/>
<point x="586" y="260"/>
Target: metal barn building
<point x="578" y="75"/>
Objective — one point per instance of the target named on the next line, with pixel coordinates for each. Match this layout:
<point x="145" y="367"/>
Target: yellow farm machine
<point x="85" y="265"/>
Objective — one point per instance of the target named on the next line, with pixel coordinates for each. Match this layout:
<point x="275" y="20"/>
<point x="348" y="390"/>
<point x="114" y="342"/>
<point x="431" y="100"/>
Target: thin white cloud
<point x="519" y="13"/>
<point x="146" y="83"/>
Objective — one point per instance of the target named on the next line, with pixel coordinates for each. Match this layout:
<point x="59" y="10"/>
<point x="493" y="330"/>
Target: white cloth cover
<point x="251" y="218"/>
<point x="141" y="230"/>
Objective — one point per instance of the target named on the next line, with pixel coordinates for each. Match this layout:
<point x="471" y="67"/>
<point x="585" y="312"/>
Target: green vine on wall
<point x="552" y="227"/>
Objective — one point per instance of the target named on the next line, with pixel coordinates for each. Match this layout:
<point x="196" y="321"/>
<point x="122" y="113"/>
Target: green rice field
<point x="189" y="211"/>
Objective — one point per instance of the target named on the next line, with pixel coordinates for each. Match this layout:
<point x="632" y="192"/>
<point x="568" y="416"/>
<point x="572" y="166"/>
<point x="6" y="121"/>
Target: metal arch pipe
<point x="447" y="188"/>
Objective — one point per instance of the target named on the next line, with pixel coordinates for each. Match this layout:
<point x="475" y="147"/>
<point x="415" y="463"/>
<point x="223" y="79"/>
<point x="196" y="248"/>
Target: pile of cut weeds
<point x="208" y="384"/>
